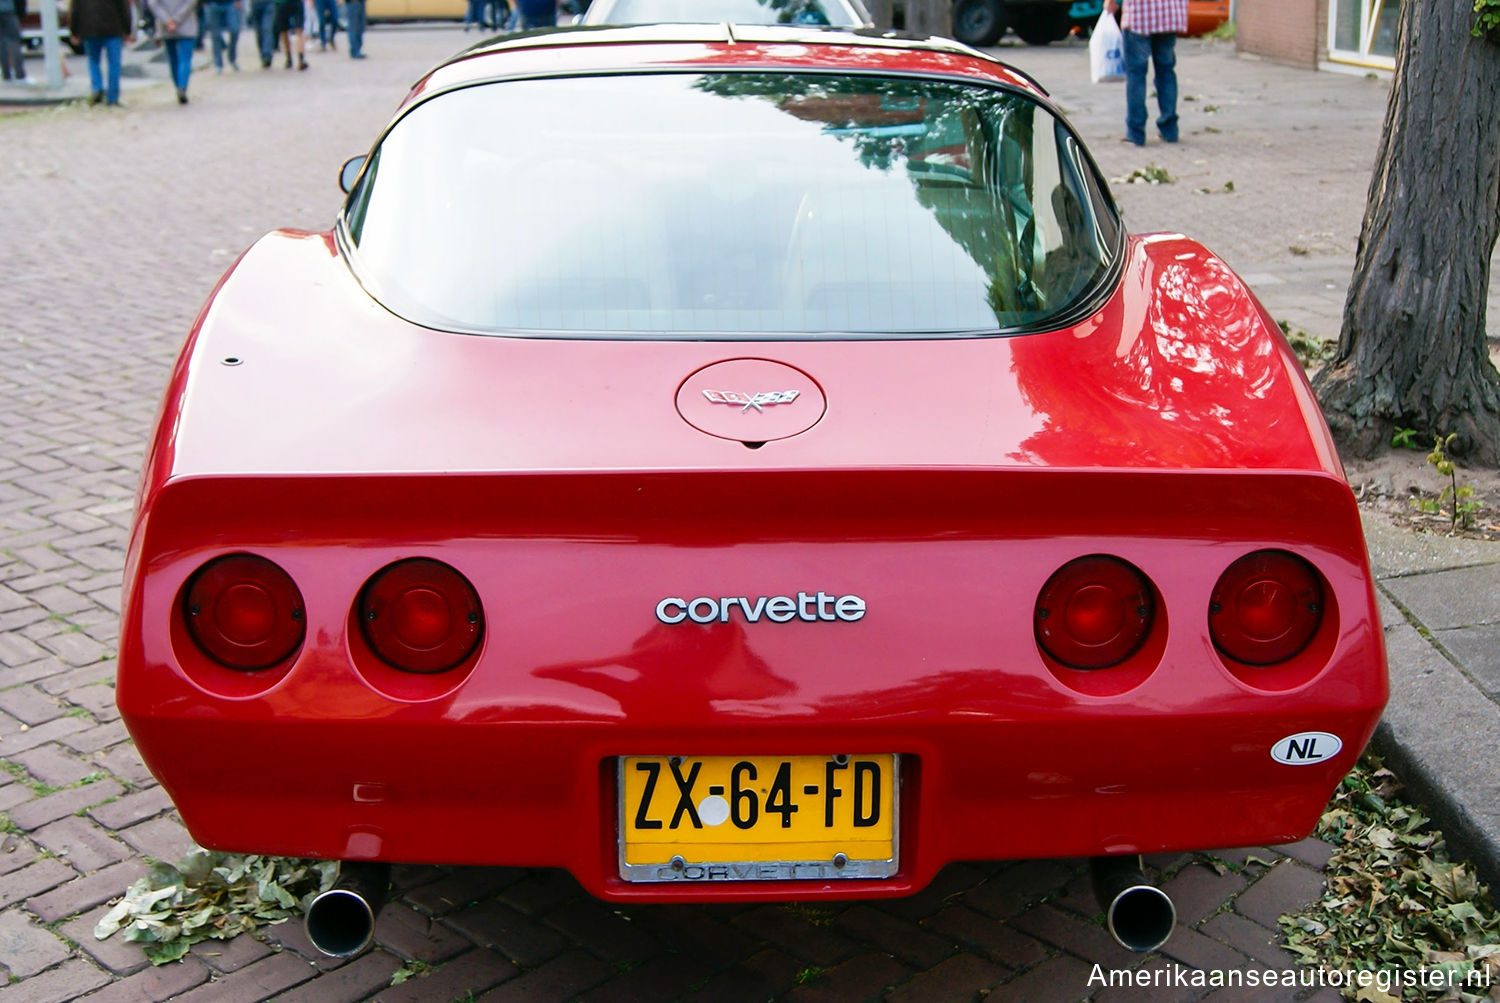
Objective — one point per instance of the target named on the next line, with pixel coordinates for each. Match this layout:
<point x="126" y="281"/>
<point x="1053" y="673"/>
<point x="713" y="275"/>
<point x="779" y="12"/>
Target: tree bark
<point x="1412" y="350"/>
<point x="930" y="17"/>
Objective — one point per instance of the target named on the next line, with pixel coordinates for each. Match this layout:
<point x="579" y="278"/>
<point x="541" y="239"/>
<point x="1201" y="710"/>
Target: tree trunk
<point x="930" y="17"/>
<point x="1412" y="351"/>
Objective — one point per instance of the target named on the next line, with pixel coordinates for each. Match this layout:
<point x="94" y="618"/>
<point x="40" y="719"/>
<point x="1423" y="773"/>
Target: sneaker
<point x="96" y="97"/>
<point x="356" y="55"/>
<point x="182" y="95"/>
<point x="288" y="62"/>
<point x="265" y="63"/>
<point x="301" y="63"/>
<point x="234" y="66"/>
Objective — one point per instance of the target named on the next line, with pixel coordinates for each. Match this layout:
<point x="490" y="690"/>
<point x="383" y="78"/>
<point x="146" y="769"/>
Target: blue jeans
<point x="180" y="59"/>
<point x="328" y="20"/>
<point x="1161" y="50"/>
<point x="354" y="24"/>
<point x="223" y="16"/>
<point x="262" y="21"/>
<point x="110" y="49"/>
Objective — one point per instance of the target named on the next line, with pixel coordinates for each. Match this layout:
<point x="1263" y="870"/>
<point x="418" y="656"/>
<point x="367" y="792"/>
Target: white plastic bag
<point x="1107" y="50"/>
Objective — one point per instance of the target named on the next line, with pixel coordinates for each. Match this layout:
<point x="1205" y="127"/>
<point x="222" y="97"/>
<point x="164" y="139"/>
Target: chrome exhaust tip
<point x="341" y="921"/>
<point x="1139" y="915"/>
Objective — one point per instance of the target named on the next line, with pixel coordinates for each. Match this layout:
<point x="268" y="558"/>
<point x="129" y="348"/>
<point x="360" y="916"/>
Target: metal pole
<point x="51" y="52"/>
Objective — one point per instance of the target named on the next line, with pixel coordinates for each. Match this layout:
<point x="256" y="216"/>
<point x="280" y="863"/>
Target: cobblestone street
<point x="117" y="225"/>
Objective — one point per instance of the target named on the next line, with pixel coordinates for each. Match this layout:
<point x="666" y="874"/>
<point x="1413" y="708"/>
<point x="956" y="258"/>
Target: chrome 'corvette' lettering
<point x="807" y="606"/>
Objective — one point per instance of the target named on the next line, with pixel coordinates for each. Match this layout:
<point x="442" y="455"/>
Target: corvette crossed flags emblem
<point x="747" y="401"/>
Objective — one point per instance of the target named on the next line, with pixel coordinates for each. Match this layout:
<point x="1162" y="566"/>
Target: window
<point x="731" y="205"/>
<point x="1363" y="31"/>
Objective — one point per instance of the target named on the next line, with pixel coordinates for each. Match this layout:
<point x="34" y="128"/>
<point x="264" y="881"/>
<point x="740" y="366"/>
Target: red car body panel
<point x="946" y="481"/>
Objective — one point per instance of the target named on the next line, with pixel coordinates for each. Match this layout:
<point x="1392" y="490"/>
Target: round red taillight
<point x="244" y="612"/>
<point x="1094" y="612"/>
<point x="421" y="616"/>
<point x="1265" y="608"/>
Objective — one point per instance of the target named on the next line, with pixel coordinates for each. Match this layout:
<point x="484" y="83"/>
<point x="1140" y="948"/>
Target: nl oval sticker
<point x="1306" y="748"/>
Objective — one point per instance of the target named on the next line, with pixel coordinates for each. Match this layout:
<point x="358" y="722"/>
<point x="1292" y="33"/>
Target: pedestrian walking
<point x="223" y="18"/>
<point x="177" y="27"/>
<point x="12" y="61"/>
<point x="354" y="24"/>
<point x="328" y="24"/>
<point x="1151" y="28"/>
<point x="102" y="26"/>
<point x="262" y="21"/>
<point x="474" y="15"/>
<point x="290" y="18"/>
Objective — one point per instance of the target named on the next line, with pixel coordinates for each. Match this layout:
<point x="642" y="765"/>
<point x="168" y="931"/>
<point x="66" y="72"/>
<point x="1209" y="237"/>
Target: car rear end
<point x="704" y="577"/>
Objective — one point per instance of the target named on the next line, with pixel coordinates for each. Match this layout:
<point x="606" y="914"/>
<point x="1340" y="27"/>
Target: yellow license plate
<point x="758" y="818"/>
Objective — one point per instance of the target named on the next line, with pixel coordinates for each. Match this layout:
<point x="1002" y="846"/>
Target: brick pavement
<point x="117" y="224"/>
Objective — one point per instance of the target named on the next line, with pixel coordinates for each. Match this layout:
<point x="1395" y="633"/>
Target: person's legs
<point x="180" y="59"/>
<point x="1164" y="59"/>
<point x="282" y="28"/>
<point x="234" y="34"/>
<point x="93" y="48"/>
<point x="114" y="49"/>
<point x="328" y="22"/>
<point x="1137" y="56"/>
<point x="263" y="17"/>
<point x="298" y="33"/>
<point x="12" y="60"/>
<point x="354" y="20"/>
<point x="216" y="25"/>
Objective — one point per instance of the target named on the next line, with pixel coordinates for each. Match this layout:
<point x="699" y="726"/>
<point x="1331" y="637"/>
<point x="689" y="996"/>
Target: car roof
<point x="603" y="50"/>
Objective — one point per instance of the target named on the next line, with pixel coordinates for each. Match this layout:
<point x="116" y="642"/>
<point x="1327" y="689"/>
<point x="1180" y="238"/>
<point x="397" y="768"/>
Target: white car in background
<point x="825" y="13"/>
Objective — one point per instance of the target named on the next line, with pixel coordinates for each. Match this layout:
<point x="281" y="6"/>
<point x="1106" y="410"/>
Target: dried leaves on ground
<point x="1393" y="899"/>
<point x="213" y="896"/>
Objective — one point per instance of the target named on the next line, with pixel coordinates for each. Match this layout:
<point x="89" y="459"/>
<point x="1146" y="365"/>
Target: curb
<point x="1439" y="733"/>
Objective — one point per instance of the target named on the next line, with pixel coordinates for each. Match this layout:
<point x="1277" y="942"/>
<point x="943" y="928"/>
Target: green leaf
<point x="111" y="921"/>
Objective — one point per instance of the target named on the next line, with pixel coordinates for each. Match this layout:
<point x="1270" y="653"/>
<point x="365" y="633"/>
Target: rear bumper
<point x="544" y="793"/>
<point x="510" y="759"/>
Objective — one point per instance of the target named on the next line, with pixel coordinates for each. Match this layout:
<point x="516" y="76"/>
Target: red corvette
<point x="741" y="463"/>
